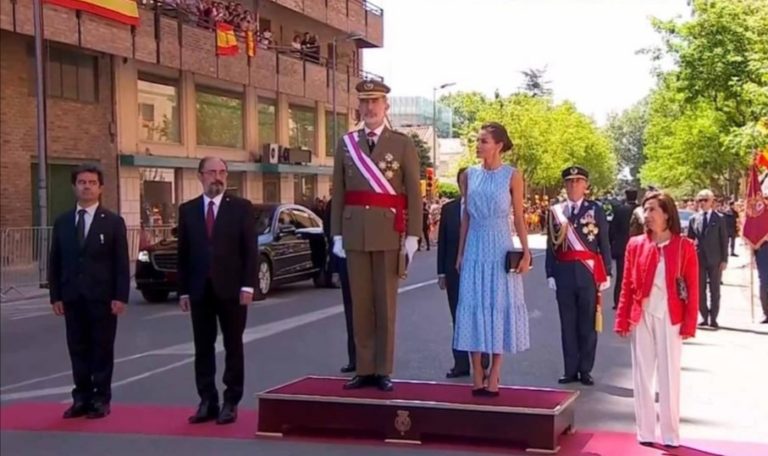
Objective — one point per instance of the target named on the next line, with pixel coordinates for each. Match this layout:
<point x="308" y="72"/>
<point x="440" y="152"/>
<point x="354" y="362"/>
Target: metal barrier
<point x="24" y="255"/>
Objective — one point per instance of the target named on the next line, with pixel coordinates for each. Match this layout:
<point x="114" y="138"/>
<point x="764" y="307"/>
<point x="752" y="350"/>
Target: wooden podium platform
<point x="415" y="412"/>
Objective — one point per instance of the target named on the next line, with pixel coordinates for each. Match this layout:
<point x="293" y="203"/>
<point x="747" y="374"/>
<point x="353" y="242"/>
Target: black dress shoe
<point x="98" y="410"/>
<point x="703" y="324"/>
<point x="228" y="414"/>
<point x="568" y="379"/>
<point x="348" y="368"/>
<point x="358" y="381"/>
<point x="454" y="373"/>
<point x="714" y="325"/>
<point x="764" y="322"/>
<point x="77" y="410"/>
<point x="384" y="383"/>
<point x="586" y="379"/>
<point x="206" y="411"/>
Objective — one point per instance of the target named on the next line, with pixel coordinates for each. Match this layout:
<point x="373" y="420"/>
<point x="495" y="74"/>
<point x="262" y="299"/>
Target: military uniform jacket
<point x="365" y="228"/>
<point x="592" y="229"/>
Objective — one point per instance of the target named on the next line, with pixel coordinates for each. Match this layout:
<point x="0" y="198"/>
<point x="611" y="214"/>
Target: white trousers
<point x="656" y="349"/>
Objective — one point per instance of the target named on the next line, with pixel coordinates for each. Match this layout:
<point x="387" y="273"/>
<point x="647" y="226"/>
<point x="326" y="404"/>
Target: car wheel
<point x="155" y="296"/>
<point x="265" y="276"/>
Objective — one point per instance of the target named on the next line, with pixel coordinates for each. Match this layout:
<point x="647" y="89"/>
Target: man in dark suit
<point x="339" y="265"/>
<point x="218" y="257"/>
<point x="708" y="230"/>
<point x="578" y="268"/>
<point x="89" y="280"/>
<point x="447" y="275"/>
<point x="731" y="216"/>
<point x="619" y="233"/>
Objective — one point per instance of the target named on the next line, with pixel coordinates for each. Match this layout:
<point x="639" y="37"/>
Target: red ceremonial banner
<point x="756" y="223"/>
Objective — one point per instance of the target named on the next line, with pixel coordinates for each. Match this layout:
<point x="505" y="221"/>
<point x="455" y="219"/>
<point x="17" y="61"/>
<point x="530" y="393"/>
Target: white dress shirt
<point x="656" y="303"/>
<point x="377" y="131"/>
<point x="89" y="214"/>
<point x="578" y="203"/>
<point x="216" y="204"/>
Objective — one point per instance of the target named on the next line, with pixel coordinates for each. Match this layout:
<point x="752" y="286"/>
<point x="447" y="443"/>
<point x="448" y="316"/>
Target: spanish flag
<point x="761" y="159"/>
<point x="226" y="42"/>
<point x="123" y="11"/>
<point x="250" y="44"/>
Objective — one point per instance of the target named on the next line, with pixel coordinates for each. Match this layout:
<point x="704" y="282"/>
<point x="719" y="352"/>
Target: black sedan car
<point x="292" y="248"/>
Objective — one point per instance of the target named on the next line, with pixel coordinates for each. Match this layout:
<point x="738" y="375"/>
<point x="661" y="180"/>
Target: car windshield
<point x="263" y="221"/>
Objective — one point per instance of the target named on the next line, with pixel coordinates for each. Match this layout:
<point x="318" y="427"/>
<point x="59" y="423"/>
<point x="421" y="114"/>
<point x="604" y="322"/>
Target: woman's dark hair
<point x="668" y="206"/>
<point x="499" y="135"/>
<point x="88" y="168"/>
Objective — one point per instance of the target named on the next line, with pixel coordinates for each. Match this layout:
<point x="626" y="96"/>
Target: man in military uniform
<point x="375" y="222"/>
<point x="578" y="268"/>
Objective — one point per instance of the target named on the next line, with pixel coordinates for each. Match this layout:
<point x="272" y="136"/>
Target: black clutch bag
<point x="513" y="259"/>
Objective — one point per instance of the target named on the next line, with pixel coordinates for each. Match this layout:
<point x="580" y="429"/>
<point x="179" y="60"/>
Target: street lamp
<point x="346" y="37"/>
<point x="434" y="120"/>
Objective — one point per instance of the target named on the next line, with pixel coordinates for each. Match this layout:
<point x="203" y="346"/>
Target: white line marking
<point x="250" y="334"/>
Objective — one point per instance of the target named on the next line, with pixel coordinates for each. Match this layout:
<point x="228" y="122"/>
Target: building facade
<point x="418" y="112"/>
<point x="147" y="102"/>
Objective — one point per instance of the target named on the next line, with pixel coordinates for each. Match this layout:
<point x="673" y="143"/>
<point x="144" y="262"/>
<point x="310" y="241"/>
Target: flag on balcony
<point x="250" y="43"/>
<point x="756" y="223"/>
<point x="123" y="11"/>
<point x="226" y="42"/>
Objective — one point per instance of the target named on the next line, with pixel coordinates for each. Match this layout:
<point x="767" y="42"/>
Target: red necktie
<point x="209" y="219"/>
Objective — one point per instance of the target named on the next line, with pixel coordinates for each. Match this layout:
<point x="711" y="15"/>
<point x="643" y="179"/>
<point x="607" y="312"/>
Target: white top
<point x="656" y="304"/>
<point x="377" y="131"/>
<point x="89" y="213"/>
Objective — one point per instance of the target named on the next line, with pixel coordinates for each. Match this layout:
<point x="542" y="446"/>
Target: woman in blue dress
<point x="491" y="316"/>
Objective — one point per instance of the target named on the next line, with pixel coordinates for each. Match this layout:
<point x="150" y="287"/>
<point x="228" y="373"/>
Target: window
<point x="267" y="121"/>
<point x="72" y="75"/>
<point x="271" y="188"/>
<point x="304" y="189"/>
<point x="219" y="119"/>
<point x="303" y="220"/>
<point x="330" y="139"/>
<point x="158" y="110"/>
<point x="158" y="197"/>
<point x="302" y="127"/>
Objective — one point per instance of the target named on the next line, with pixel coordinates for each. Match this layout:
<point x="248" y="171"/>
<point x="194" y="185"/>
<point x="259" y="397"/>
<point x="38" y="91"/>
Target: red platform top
<point x="450" y="395"/>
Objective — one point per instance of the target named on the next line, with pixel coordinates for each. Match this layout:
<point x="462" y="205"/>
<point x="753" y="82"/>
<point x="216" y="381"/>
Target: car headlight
<point x="144" y="256"/>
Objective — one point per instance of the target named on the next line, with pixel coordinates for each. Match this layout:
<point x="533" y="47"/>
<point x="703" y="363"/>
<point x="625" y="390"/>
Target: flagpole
<point x="752" y="284"/>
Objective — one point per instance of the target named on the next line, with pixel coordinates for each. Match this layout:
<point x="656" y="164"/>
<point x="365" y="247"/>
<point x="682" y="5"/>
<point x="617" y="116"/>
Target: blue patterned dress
<point x="491" y="316"/>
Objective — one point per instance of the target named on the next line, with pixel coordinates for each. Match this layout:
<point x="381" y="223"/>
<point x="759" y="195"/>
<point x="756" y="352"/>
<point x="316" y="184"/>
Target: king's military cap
<point x="575" y="172"/>
<point x="371" y="89"/>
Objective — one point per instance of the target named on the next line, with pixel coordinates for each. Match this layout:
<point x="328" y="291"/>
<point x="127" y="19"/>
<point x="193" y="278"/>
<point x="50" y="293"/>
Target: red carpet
<point x="171" y="421"/>
<point x="533" y="398"/>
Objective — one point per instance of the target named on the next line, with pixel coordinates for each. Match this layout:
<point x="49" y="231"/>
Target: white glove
<point x="338" y="247"/>
<point x="606" y="285"/>
<point x="411" y="245"/>
<point x="551" y="283"/>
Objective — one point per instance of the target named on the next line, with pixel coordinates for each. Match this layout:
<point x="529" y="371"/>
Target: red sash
<point x="585" y="255"/>
<point x="382" y="200"/>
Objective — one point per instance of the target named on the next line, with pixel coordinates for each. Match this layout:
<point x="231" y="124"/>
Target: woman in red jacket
<point x="657" y="310"/>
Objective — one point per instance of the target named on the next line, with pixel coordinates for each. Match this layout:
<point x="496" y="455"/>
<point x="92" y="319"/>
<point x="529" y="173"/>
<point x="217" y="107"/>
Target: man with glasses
<point x="218" y="256"/>
<point x="707" y="229"/>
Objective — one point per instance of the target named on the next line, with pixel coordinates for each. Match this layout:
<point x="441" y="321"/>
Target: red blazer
<point x="642" y="257"/>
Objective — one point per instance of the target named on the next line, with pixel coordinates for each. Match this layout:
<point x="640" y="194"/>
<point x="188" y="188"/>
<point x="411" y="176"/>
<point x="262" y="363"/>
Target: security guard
<point x="578" y="268"/>
<point x="375" y="224"/>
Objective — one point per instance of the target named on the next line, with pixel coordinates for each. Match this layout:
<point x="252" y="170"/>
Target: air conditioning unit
<point x="295" y="156"/>
<point x="271" y="153"/>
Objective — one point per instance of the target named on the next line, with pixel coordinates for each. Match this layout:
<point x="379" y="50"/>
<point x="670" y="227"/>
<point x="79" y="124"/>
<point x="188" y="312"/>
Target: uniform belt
<point x="585" y="255"/>
<point x="383" y="200"/>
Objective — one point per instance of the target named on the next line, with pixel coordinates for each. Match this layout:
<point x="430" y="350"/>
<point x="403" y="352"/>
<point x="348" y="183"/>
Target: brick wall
<point x="76" y="131"/>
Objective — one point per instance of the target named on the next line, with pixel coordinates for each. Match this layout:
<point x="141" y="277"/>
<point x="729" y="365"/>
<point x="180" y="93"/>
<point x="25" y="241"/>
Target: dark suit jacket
<point x="731" y="221"/>
<point x="231" y="257"/>
<point x="619" y="229"/>
<point x="100" y="270"/>
<point x="711" y="241"/>
<point x="448" y="237"/>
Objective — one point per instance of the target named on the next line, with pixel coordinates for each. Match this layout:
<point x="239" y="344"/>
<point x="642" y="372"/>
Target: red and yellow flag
<point x="250" y="43"/>
<point x="123" y="11"/>
<point x="761" y="160"/>
<point x="756" y="223"/>
<point x="226" y="42"/>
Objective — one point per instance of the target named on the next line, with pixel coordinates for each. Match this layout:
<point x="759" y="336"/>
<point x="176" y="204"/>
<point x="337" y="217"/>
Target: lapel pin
<point x="101" y="238"/>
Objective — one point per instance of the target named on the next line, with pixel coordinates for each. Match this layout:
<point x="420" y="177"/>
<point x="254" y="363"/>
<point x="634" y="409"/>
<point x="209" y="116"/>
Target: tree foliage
<point x="703" y="114"/>
<point x="627" y="133"/>
<point x="534" y="84"/>
<point x="425" y="158"/>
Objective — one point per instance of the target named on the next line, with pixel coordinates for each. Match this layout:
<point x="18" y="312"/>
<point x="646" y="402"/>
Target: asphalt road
<point x="299" y="331"/>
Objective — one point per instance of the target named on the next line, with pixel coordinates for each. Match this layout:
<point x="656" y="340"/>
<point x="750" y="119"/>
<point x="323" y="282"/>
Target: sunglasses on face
<point x="702" y="200"/>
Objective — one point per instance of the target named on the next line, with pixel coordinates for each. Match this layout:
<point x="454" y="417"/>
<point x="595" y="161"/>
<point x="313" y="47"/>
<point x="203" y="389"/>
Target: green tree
<point x="627" y="134"/>
<point x="703" y="110"/>
<point x="425" y="159"/>
<point x="448" y="190"/>
<point x="466" y="107"/>
<point x="534" y="84"/>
